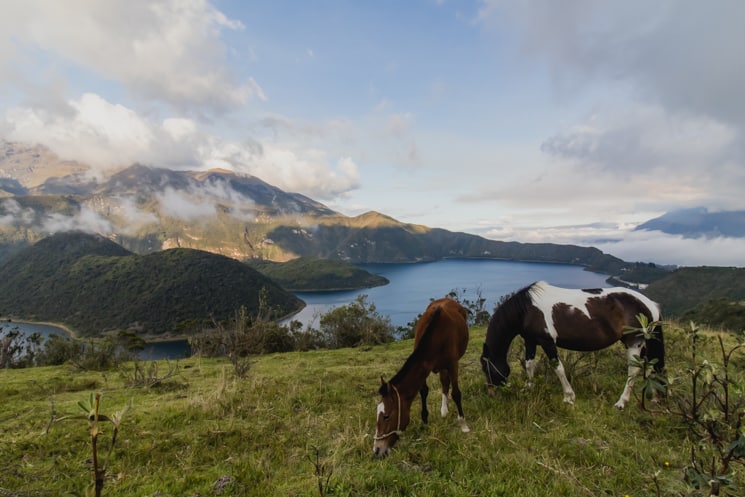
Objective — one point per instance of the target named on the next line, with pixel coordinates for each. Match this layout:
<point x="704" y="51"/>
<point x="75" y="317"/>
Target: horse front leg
<point x="530" y="348"/>
<point x="634" y="350"/>
<point x="553" y="356"/>
<point x="423" y="392"/>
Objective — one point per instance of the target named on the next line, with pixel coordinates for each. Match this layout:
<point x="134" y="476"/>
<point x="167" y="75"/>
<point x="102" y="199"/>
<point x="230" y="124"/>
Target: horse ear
<point x="383" y="387"/>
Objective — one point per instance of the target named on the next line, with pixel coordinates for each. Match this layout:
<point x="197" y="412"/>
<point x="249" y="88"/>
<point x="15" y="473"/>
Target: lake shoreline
<point x="73" y="335"/>
<point x="65" y="329"/>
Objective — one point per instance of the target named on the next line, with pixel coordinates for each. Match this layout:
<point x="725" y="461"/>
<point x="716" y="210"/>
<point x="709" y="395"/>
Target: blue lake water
<point x="413" y="285"/>
<point x="407" y="295"/>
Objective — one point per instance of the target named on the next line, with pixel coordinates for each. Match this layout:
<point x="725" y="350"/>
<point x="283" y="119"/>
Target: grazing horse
<point x="440" y="340"/>
<point x="582" y="320"/>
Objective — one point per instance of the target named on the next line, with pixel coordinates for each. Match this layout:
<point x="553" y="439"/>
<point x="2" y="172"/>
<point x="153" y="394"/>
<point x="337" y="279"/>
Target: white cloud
<point x="135" y="218"/>
<point x="15" y="214"/>
<point x="86" y="220"/>
<point x="671" y="249"/>
<point x="622" y="241"/>
<point x="107" y="136"/>
<point x="166" y="50"/>
<point x="184" y="205"/>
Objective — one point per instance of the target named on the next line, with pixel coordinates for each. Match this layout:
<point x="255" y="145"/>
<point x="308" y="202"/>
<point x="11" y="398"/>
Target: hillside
<point x="685" y="290"/>
<point x="92" y="285"/>
<point x="304" y="419"/>
<point x="310" y="274"/>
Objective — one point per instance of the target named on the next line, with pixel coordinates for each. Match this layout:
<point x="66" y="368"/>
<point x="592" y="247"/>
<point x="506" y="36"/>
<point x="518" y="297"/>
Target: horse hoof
<point x="463" y="426"/>
<point x="619" y="405"/>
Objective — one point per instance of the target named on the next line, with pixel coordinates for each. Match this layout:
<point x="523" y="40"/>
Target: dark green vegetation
<point x="312" y="274"/>
<point x="640" y="273"/>
<point x="710" y="295"/>
<point x="302" y="424"/>
<point x="92" y="285"/>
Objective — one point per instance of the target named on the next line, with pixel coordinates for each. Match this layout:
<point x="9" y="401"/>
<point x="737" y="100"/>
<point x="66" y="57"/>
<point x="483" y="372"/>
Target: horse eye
<point x="386" y="416"/>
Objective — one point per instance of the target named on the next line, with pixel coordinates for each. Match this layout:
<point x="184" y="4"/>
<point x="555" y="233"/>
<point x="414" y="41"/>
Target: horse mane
<point x="513" y="306"/>
<point x="414" y="357"/>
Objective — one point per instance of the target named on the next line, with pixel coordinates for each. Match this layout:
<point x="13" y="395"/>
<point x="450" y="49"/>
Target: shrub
<point x="355" y="324"/>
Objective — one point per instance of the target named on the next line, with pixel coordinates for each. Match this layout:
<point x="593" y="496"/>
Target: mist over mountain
<point x="698" y="222"/>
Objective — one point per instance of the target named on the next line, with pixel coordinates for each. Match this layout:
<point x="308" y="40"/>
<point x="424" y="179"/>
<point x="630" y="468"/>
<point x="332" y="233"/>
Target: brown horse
<point x="582" y="320"/>
<point x="440" y="340"/>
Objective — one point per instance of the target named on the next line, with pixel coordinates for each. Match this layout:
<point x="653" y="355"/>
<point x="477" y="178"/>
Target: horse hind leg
<point x="445" y="382"/>
<point x="457" y="398"/>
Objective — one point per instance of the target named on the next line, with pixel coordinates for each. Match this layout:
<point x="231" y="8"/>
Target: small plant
<point x="95" y="418"/>
<point x="713" y="412"/>
<point x="322" y="472"/>
<point x="146" y="373"/>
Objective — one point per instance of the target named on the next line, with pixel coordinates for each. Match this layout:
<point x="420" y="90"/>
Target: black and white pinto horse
<point x="581" y="320"/>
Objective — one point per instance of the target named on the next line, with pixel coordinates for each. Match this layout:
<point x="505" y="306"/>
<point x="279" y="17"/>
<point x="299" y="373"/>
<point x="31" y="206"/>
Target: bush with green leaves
<point x="18" y="350"/>
<point x="357" y="323"/>
<point x="713" y="410"/>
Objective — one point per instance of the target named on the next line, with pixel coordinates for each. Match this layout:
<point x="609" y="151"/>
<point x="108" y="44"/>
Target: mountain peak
<point x="698" y="222"/>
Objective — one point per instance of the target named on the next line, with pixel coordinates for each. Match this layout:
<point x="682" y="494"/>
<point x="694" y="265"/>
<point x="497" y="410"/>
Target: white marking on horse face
<point x="380" y="410"/>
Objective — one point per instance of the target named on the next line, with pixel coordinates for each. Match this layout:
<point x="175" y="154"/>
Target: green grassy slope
<point x="688" y="287"/>
<point x="303" y="417"/>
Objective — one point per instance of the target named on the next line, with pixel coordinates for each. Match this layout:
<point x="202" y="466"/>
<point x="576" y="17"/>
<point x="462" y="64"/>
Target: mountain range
<point x="146" y="209"/>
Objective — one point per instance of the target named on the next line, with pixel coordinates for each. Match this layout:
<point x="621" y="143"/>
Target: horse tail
<point x="656" y="348"/>
<point x="423" y="328"/>
<point x="433" y="319"/>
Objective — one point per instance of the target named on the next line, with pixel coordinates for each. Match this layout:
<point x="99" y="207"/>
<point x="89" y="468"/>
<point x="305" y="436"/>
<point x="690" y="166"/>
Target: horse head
<point x="495" y="375"/>
<point x="393" y="417"/>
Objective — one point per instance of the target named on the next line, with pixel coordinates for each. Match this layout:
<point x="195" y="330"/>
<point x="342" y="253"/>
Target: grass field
<point x="302" y="424"/>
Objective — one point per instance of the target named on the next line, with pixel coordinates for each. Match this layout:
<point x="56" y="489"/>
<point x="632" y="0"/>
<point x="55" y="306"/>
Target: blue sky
<point x="534" y="121"/>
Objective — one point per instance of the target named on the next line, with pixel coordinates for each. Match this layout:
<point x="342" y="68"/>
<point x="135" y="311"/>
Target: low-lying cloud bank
<point x="634" y="246"/>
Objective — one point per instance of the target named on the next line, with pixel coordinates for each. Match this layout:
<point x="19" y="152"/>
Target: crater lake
<point x="407" y="295"/>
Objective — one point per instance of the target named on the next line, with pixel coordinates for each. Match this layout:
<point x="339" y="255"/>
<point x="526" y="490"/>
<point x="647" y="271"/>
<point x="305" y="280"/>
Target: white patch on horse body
<point x="444" y="407"/>
<point x="545" y="296"/>
<point x="380" y="410"/>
